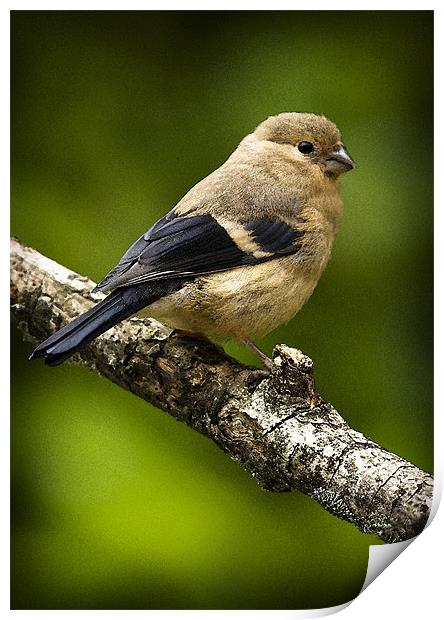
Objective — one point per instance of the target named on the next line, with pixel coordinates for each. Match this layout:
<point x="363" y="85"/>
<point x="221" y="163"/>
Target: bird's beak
<point x="338" y="160"/>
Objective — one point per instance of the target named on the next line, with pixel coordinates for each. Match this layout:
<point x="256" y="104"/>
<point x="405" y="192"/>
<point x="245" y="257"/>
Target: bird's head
<point x="314" y="140"/>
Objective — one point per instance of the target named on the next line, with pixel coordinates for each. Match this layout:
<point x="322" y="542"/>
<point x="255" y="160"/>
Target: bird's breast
<point x="250" y="301"/>
<point x="247" y="302"/>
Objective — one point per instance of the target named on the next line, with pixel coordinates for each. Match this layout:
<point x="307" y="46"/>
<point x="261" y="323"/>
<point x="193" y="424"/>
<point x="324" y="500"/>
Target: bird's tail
<point x="119" y="305"/>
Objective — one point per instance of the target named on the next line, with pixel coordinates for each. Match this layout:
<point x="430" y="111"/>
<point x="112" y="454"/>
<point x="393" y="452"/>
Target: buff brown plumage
<point x="241" y="252"/>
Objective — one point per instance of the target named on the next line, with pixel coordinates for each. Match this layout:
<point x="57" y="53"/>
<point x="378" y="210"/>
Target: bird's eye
<point x="305" y="147"/>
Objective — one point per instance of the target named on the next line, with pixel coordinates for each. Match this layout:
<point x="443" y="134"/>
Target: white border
<point x="226" y="5"/>
<point x="410" y="589"/>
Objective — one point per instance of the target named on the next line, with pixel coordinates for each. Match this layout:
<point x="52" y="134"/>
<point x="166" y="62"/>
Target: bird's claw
<point x="255" y="377"/>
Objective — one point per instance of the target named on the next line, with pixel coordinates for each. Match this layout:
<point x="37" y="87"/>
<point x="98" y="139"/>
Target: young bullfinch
<point x="241" y="252"/>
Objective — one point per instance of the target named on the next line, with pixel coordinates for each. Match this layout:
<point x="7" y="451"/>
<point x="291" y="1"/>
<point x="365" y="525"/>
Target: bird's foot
<point x="256" y="376"/>
<point x="197" y="337"/>
<point x="181" y="333"/>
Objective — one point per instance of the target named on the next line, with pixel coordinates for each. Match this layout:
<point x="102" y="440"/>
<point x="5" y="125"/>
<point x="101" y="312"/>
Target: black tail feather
<point x="119" y="305"/>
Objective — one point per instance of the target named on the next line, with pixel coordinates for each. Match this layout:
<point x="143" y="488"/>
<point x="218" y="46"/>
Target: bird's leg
<point x="267" y="362"/>
<point x="259" y="374"/>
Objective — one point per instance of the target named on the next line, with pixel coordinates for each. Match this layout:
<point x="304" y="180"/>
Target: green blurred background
<point x="115" y="115"/>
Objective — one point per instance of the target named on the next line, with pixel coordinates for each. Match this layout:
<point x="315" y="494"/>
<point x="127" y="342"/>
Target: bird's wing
<point x="181" y="246"/>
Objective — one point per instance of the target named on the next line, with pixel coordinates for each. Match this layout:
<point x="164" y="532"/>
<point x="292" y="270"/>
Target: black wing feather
<point x="275" y="236"/>
<point x="194" y="245"/>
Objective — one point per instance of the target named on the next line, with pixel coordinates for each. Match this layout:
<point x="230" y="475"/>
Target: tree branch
<point x="281" y="431"/>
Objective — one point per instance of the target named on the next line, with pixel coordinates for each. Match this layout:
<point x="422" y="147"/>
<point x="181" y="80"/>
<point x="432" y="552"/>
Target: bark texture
<point x="280" y="430"/>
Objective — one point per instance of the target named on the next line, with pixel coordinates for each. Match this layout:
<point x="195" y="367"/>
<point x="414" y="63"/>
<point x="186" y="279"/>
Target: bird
<point x="240" y="253"/>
